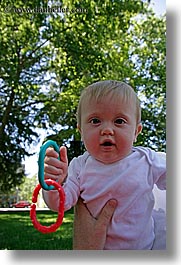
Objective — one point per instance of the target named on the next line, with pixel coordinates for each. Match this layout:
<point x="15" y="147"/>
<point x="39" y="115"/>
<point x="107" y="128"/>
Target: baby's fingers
<point x="60" y="178"/>
<point x="51" y="152"/>
<point x="53" y="170"/>
<point x="63" y="154"/>
<point x="52" y="161"/>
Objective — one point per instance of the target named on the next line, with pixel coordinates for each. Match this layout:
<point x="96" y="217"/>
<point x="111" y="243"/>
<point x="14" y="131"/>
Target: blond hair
<point x="101" y="89"/>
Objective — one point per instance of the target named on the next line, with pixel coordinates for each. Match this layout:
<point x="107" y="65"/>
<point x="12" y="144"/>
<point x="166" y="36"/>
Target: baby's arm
<point x="57" y="170"/>
<point x="161" y="169"/>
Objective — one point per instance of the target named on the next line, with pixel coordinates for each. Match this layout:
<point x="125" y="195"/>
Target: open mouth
<point x="107" y="144"/>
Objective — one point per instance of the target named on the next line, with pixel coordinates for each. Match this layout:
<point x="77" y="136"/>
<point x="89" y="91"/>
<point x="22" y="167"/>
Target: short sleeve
<point x="159" y="169"/>
<point x="71" y="186"/>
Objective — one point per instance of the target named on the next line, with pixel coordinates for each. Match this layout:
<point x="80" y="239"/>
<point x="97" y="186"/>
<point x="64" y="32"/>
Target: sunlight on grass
<point x="67" y="220"/>
<point x="17" y="232"/>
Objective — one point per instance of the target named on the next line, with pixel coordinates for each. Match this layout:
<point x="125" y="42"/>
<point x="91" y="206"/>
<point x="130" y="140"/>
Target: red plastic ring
<point x="57" y="224"/>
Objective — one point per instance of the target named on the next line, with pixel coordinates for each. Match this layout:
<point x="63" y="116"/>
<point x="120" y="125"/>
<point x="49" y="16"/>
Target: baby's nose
<point x="107" y="130"/>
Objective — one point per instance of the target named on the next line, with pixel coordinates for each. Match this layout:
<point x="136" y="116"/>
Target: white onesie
<point x="130" y="181"/>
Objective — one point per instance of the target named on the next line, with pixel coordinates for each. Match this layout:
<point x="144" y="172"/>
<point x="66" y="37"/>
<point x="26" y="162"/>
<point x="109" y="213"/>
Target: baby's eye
<point x="120" y="121"/>
<point x="95" y="121"/>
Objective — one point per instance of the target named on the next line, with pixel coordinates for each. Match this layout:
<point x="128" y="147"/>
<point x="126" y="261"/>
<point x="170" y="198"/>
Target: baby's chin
<point x="108" y="160"/>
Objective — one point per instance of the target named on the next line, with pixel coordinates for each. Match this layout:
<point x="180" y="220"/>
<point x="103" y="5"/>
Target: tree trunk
<point x="6" y="116"/>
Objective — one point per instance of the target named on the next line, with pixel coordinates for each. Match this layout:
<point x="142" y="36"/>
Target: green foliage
<point x="21" y="75"/>
<point x="47" y="58"/>
<point x="26" y="189"/>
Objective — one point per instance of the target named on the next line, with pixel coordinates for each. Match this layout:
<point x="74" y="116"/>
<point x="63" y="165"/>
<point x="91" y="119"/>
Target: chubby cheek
<point x="90" y="139"/>
<point x="125" y="140"/>
<point x="91" y="148"/>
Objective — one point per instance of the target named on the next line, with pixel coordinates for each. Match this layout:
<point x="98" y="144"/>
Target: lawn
<point x="18" y="233"/>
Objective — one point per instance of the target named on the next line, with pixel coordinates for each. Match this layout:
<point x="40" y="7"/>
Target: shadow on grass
<point x="18" y="233"/>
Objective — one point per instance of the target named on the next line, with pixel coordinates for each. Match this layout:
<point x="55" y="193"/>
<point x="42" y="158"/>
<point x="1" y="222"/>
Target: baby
<point x="109" y="120"/>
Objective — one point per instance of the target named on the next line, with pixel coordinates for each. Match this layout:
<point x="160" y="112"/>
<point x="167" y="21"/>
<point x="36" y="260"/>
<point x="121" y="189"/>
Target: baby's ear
<point x="138" y="131"/>
<point x="80" y="131"/>
<point x="79" y="128"/>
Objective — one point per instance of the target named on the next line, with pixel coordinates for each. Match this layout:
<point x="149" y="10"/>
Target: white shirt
<point x="130" y="181"/>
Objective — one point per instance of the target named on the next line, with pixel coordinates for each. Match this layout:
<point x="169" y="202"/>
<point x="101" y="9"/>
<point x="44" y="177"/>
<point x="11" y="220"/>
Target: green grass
<point x="18" y="233"/>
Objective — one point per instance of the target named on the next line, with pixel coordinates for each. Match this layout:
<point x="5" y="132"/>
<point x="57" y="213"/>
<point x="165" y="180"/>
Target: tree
<point x="23" y="69"/>
<point x="148" y="54"/>
<point x="47" y="58"/>
<point x="26" y="189"/>
<point x="134" y="52"/>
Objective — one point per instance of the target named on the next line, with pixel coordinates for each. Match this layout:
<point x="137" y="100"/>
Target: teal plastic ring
<point x="41" y="158"/>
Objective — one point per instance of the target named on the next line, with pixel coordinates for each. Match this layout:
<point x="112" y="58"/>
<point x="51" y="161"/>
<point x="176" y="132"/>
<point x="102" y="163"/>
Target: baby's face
<point x="109" y="129"/>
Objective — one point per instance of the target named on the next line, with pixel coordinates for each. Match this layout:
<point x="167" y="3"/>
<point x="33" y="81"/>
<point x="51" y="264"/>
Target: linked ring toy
<point x="57" y="224"/>
<point x="42" y="153"/>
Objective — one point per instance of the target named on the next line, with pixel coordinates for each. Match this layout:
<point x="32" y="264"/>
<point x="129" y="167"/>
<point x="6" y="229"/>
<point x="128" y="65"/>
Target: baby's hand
<point x="53" y="168"/>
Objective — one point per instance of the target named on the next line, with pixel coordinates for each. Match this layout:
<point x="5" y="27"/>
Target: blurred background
<point x="49" y="52"/>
